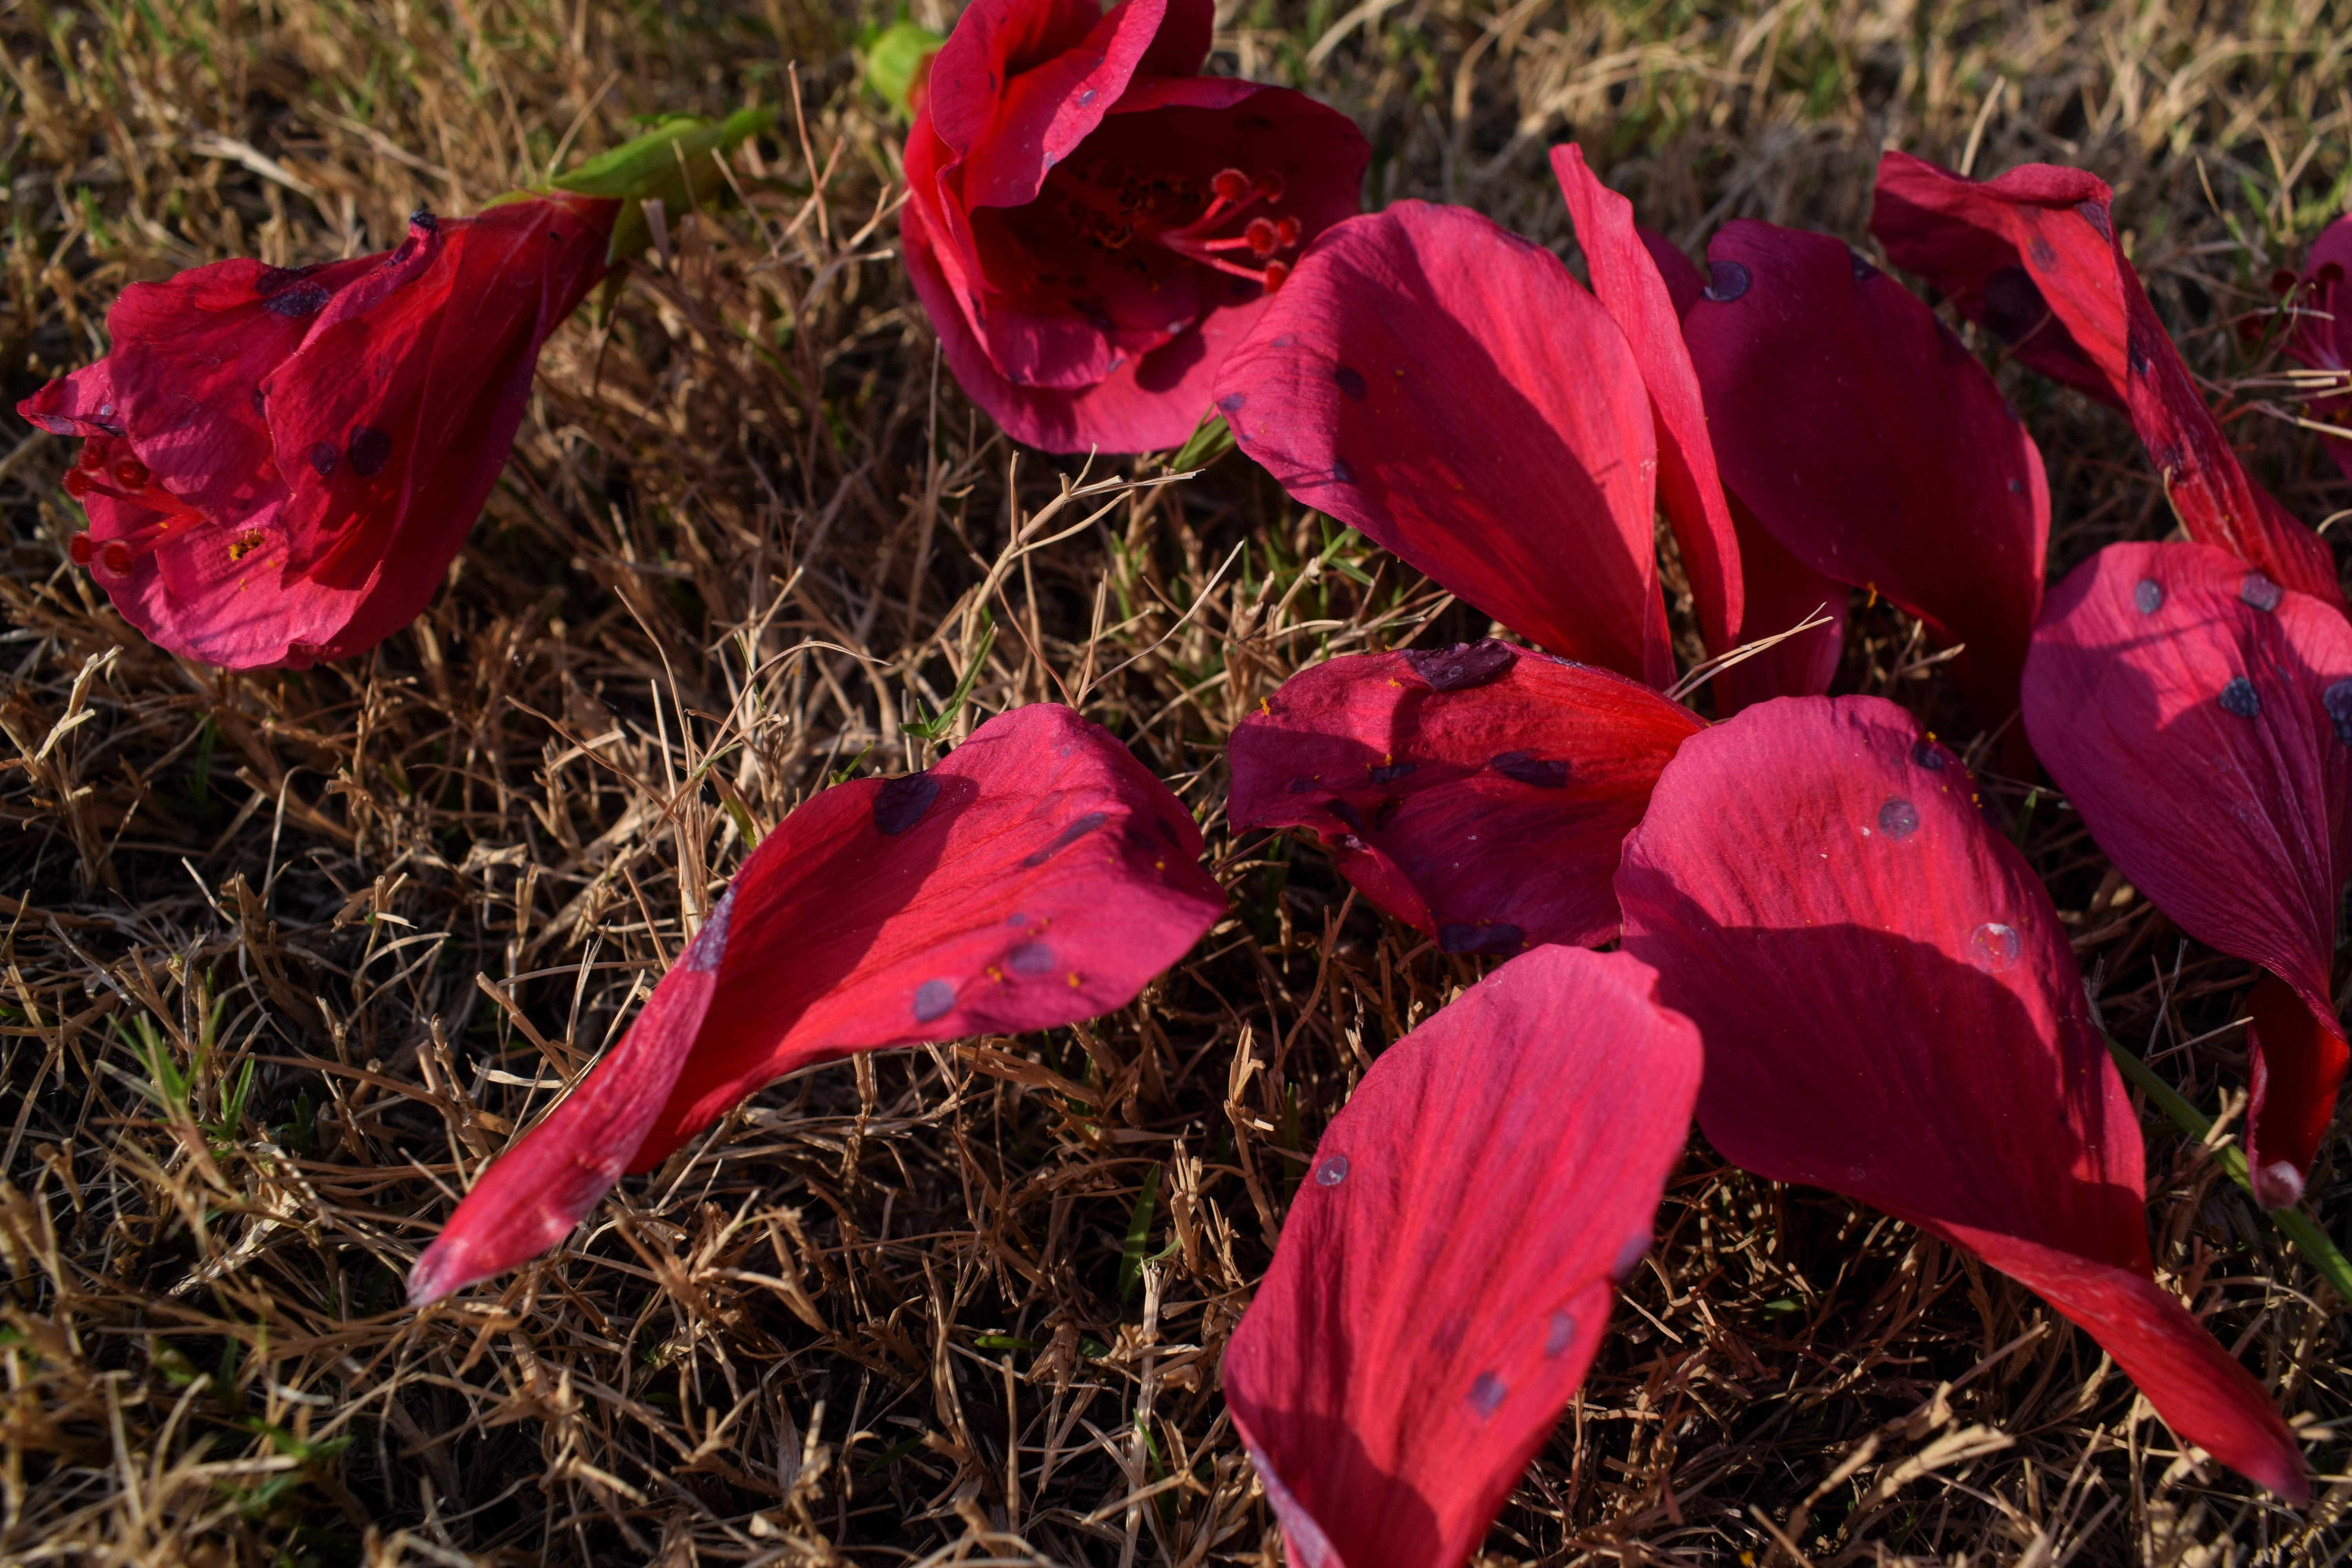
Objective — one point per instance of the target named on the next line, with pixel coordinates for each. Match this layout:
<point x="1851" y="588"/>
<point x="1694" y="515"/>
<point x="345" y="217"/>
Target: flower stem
<point x="2299" y="1227"/>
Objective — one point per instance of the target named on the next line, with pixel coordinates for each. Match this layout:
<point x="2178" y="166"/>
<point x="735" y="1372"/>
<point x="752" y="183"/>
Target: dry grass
<point x="289" y="957"/>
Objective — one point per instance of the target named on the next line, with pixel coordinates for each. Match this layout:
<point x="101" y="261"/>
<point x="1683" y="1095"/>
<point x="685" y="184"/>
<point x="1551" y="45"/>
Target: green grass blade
<point x="2296" y="1226"/>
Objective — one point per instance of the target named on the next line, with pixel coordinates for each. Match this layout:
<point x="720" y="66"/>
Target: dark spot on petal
<point x="422" y="218"/>
<point x="1727" y="281"/>
<point x="1068" y="835"/>
<point x="1928" y="755"/>
<point x="323" y="458"/>
<point x="1898" y="818"/>
<point x="302" y="300"/>
<point x="1346" y="812"/>
<point x="1862" y="270"/>
<point x="1530" y="769"/>
<point x="1487" y="1394"/>
<point x="1349" y="382"/>
<point x="1342" y="473"/>
<point x="2147" y="595"/>
<point x="1302" y="784"/>
<point x="1030" y="958"/>
<point x="1085" y="98"/>
<point x="2241" y="698"/>
<point x="1497" y="938"/>
<point x="2338" y="700"/>
<point x="933" y="998"/>
<point x="2041" y="255"/>
<point x="2016" y="487"/>
<point x="1285" y="340"/>
<point x="1462" y="665"/>
<point x="2260" y="592"/>
<point x="2013" y="305"/>
<point x="1231" y="403"/>
<point x="900" y="802"/>
<point x="2095" y="215"/>
<point x="1392" y="773"/>
<point x="2135" y="358"/>
<point x="261" y="402"/>
<point x="369" y="450"/>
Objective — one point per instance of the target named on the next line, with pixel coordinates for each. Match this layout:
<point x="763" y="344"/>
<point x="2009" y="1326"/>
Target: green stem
<point x="2298" y="1226"/>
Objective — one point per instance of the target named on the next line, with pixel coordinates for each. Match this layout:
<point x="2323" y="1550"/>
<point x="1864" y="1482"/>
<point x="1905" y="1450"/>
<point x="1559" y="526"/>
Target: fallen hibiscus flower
<point x="1036" y="876"/>
<point x="1091" y="224"/>
<point x="279" y="463"/>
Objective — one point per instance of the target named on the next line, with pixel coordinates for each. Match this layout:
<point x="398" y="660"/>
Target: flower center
<point x="1238" y="221"/>
<point x="106" y="468"/>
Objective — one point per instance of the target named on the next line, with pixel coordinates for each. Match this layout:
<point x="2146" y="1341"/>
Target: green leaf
<point x="1210" y="440"/>
<point x="895" y="58"/>
<point x="2298" y="1226"/>
<point x="936" y="726"/>
<point x="1138" y="1235"/>
<point x="676" y="164"/>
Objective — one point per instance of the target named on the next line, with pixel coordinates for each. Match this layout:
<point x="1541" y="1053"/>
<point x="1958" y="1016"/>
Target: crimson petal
<point x="1872" y="444"/>
<point x="1036" y="876"/>
<point x="1445" y="1276"/>
<point x="1627" y="281"/>
<point x="2188" y="709"/>
<point x="2066" y="270"/>
<point x="1449" y="389"/>
<point x="1480" y="793"/>
<point x="1892" y="1011"/>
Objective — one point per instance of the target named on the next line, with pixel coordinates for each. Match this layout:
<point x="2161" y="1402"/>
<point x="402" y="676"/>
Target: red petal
<point x="2196" y="737"/>
<point x="1873" y="445"/>
<point x="2046" y="236"/>
<point x="1782" y="592"/>
<point x="2298" y="1062"/>
<point x="1892" y="1011"/>
<point x="2016" y="255"/>
<point x="1445" y="1275"/>
<point x="1481" y="793"/>
<point x="1447" y="387"/>
<point x="1685" y="282"/>
<point x="1036" y="876"/>
<point x="1627" y="282"/>
<point x="1020" y="83"/>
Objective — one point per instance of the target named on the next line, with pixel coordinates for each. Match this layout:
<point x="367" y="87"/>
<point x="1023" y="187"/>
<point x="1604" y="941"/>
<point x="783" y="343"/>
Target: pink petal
<point x="1447" y="1273"/>
<point x="1020" y="83"/>
<point x="2062" y="265"/>
<point x="1480" y="793"/>
<point x="1892" y="1011"/>
<point x="1627" y="281"/>
<point x="2187" y="706"/>
<point x="1449" y="389"/>
<point x="1036" y="876"/>
<point x="1782" y="592"/>
<point x="1873" y="445"/>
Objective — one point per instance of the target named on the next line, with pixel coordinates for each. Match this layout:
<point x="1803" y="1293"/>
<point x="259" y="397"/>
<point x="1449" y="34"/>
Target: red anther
<point x="81" y="549"/>
<point x="1229" y="185"/>
<point x="93" y="453"/>
<point x="1276" y="271"/>
<point x="1262" y="237"/>
<point x="1268" y="185"/>
<point x="116" y="557"/>
<point x="78" y="483"/>
<point x="131" y="474"/>
<point x="1287" y="232"/>
<point x="2331" y="275"/>
<point x="2282" y="281"/>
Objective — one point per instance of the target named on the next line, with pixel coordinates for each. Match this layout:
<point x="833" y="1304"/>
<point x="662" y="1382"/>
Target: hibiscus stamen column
<point x="1232" y="194"/>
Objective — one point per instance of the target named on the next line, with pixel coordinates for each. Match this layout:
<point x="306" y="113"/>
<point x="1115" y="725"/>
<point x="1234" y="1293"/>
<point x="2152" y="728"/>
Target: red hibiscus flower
<point x="2323" y="335"/>
<point x="1091" y="224"/>
<point x="1036" y="876"/>
<point x="279" y="463"/>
